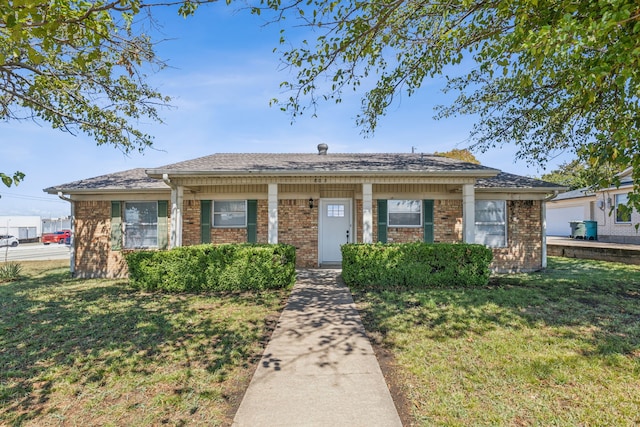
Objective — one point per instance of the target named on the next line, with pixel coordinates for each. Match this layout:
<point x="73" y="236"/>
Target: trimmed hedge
<point x="229" y="267"/>
<point x="415" y="265"/>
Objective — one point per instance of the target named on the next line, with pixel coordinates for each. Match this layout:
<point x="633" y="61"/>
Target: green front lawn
<point x="560" y="347"/>
<point x="96" y="352"/>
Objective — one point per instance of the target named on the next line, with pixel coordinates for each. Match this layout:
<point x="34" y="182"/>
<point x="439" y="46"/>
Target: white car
<point x="7" y="240"/>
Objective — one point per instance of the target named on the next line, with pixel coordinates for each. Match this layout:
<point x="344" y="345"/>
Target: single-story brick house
<point x="315" y="202"/>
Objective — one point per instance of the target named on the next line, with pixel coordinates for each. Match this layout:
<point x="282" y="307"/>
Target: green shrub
<point x="10" y="271"/>
<point x="415" y="265"/>
<point x="226" y="267"/>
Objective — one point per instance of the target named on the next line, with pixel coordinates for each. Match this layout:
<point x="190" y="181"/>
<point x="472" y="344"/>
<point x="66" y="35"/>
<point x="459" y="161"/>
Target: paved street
<point x="34" y="252"/>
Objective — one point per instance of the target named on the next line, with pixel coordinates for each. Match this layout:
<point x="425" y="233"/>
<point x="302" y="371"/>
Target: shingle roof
<point x="329" y="163"/>
<point x="237" y="164"/>
<point x="574" y="194"/>
<point x="132" y="179"/>
<point x="508" y="180"/>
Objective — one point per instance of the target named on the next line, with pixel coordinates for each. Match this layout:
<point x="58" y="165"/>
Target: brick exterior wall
<point x="191" y="234"/>
<point x="447" y="221"/>
<point x="405" y="234"/>
<point x="447" y="228"/>
<point x="93" y="254"/>
<point x="524" y="251"/>
<point x="524" y="233"/>
<point x="298" y="226"/>
<point x="291" y="214"/>
<point x="263" y="221"/>
<point x="191" y="231"/>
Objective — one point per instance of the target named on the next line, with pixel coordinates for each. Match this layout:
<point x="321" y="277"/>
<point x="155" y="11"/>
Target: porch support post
<point x="273" y="213"/>
<point x="543" y="219"/>
<point x="367" y="213"/>
<point x="177" y="198"/>
<point x="468" y="213"/>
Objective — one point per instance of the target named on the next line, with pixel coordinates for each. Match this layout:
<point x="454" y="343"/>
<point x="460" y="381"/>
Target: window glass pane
<point x="228" y="219"/>
<point x="491" y="224"/>
<point x="231" y="213"/>
<point x="405" y="206"/>
<point x="230" y="206"/>
<point x="623" y="213"/>
<point x="336" y="211"/>
<point x="490" y="235"/>
<point x="140" y="225"/>
<point x="490" y="211"/>
<point x="404" y="219"/>
<point x="404" y="213"/>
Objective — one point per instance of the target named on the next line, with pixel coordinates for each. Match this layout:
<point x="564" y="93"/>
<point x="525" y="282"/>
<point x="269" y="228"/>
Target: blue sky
<point x="222" y="74"/>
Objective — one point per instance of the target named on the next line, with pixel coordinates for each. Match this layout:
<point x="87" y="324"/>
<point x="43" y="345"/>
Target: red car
<point x="62" y="236"/>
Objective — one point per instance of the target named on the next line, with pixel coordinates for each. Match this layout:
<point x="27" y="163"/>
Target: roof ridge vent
<point x="322" y="149"/>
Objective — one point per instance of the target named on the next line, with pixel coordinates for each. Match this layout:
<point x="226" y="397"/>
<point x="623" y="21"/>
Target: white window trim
<point x="615" y="213"/>
<point x="125" y="223"/>
<point x="389" y="225"/>
<point x="213" y="214"/>
<point x="505" y="223"/>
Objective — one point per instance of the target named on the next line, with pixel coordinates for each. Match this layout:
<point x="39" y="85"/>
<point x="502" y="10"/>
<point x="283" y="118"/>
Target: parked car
<point x="8" y="240"/>
<point x="62" y="236"/>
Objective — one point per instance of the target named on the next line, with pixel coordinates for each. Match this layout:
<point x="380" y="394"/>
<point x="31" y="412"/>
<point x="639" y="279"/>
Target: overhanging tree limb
<point x="80" y="66"/>
<point x="549" y="75"/>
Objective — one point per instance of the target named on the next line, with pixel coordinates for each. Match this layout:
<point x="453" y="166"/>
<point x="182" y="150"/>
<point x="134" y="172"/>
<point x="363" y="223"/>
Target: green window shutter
<point x="116" y="226"/>
<point x="163" y="224"/>
<point x="427" y="212"/>
<point x="205" y="221"/>
<point x="382" y="221"/>
<point x="252" y="221"/>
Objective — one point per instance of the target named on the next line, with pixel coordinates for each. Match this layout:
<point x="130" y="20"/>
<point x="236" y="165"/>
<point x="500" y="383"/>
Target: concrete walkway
<point x="319" y="368"/>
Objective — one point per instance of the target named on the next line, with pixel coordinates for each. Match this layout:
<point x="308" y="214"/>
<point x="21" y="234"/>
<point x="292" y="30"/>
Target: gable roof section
<point x="510" y="181"/>
<point x="302" y="164"/>
<point x="132" y="179"/>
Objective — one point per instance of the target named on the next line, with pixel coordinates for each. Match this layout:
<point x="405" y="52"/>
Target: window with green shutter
<point x="205" y="221"/>
<point x="140" y="224"/>
<point x="427" y="209"/>
<point x="382" y="221"/>
<point x="252" y="221"/>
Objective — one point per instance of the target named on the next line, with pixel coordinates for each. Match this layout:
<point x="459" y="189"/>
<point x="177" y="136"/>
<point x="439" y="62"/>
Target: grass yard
<point x="555" y="348"/>
<point x="95" y="352"/>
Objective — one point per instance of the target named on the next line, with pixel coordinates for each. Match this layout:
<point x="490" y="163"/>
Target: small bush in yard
<point x="415" y="265"/>
<point x="10" y="271"/>
<point x="213" y="267"/>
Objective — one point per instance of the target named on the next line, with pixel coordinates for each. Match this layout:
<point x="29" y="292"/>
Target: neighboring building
<point x="606" y="206"/>
<point x="51" y="225"/>
<point x="315" y="202"/>
<point x="25" y="227"/>
<point x="575" y="205"/>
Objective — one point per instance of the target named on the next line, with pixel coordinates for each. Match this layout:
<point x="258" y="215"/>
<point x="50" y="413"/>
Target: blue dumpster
<point x="591" y="230"/>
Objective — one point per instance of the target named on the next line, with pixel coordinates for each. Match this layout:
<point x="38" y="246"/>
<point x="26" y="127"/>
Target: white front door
<point x="335" y="228"/>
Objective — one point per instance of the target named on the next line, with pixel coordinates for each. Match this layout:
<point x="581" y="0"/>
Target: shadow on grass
<point x="600" y="297"/>
<point x="56" y="329"/>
